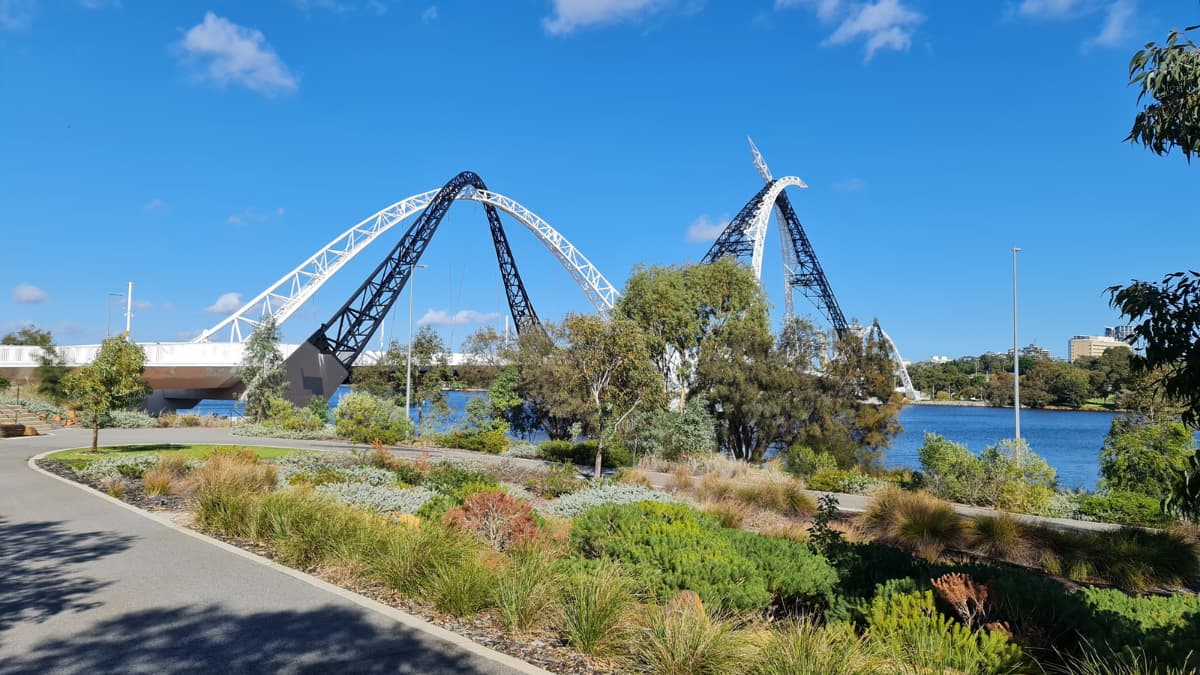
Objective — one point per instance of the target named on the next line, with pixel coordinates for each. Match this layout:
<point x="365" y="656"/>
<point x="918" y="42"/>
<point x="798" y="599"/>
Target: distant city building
<point x="1084" y="346"/>
<point x="935" y="359"/>
<point x="1036" y="352"/>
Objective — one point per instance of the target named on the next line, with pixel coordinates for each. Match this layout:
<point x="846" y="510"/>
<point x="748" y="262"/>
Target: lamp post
<point x="108" y="312"/>
<point x="1016" y="355"/>
<point x="408" y="368"/>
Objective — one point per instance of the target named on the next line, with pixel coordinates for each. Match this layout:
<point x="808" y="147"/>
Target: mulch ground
<point x="544" y="650"/>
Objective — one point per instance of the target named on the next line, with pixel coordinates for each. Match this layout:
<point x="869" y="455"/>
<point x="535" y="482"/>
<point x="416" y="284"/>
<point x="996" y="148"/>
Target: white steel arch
<point x="756" y="229"/>
<point x="286" y="295"/>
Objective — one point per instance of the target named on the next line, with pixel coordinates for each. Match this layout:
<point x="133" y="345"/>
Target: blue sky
<point x="204" y="149"/>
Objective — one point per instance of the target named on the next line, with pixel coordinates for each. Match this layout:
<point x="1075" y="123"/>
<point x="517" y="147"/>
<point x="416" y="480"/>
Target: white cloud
<point x="253" y="215"/>
<point x="155" y="205"/>
<point x="879" y="24"/>
<point x="28" y="294"/>
<point x="1054" y="9"/>
<point x="464" y="317"/>
<point x="226" y="304"/>
<point x="853" y="184"/>
<point x="1116" y="28"/>
<point x="572" y="14"/>
<point x="142" y="304"/>
<point x="233" y="54"/>
<point x="429" y="14"/>
<point x="705" y="229"/>
<point x="16" y="14"/>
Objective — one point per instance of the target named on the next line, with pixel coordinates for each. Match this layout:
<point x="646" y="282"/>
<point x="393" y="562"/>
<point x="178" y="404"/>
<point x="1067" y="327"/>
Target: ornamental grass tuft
<point x="1001" y="537"/>
<point x="804" y="646"/>
<point x="683" y="640"/>
<point x="596" y="606"/>
<point x="915" y="521"/>
<point x="527" y="589"/>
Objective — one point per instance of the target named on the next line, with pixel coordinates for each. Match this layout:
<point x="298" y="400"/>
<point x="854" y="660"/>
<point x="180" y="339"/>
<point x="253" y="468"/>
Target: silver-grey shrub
<point x="132" y="466"/>
<point x="378" y="498"/>
<point x="572" y="505"/>
<point x="310" y="463"/>
<point x="266" y="431"/>
<point x="130" y="419"/>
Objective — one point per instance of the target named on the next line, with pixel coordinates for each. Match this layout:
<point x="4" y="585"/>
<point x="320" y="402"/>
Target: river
<point x="1070" y="441"/>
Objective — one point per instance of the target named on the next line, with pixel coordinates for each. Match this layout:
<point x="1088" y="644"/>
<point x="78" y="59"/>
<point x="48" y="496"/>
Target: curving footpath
<point x="90" y="585"/>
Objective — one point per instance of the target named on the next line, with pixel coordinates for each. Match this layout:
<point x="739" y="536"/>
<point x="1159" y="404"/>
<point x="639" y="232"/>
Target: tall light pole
<point x="1016" y="355"/>
<point x="128" y="309"/>
<point x="108" y="312"/>
<point x="408" y="369"/>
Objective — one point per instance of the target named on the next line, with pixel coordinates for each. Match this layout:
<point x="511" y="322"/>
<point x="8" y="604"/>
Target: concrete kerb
<point x="403" y="618"/>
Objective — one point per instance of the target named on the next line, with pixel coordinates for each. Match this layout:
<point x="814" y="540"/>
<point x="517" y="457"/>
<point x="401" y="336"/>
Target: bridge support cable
<point x="346" y="334"/>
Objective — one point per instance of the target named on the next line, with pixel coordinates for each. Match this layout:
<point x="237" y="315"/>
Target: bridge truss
<point x="745" y="237"/>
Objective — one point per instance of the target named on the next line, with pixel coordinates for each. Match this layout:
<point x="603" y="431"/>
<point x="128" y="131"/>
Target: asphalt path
<point x="87" y="586"/>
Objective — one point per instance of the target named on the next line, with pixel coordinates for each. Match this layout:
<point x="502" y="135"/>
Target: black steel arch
<point x="809" y="278"/>
<point x="345" y="335"/>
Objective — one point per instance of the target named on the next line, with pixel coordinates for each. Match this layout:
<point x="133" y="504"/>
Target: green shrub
<point x="1005" y="476"/>
<point x="559" y="480"/>
<point x="448" y="478"/>
<point x="189" y="421"/>
<point x="557" y="451"/>
<point x="1132" y="558"/>
<point x="687" y="641"/>
<point x="283" y="414"/>
<point x="850" y="481"/>
<point x="912" y="629"/>
<point x="362" y="418"/>
<point x="674" y="547"/>
<point x="596" y="606"/>
<point x="1163" y="629"/>
<point x="1144" y="456"/>
<point x="492" y="441"/>
<point x="1123" y="507"/>
<point x="804" y="461"/>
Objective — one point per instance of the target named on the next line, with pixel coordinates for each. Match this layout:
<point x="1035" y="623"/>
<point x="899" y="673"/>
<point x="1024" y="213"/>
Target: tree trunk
<point x="95" y="432"/>
<point x="599" y="456"/>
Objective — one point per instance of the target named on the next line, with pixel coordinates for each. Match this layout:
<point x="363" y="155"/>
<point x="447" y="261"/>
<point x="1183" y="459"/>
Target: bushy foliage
<point x="1006" y="476"/>
<point x="129" y="419"/>
<point x="584" y="453"/>
<point x="674" y="547"/>
<point x="1144" y="456"/>
<point x="377" y="498"/>
<point x="448" y="478"/>
<point x="491" y="441"/>
<point x="575" y="504"/>
<point x="1122" y="507"/>
<point x="1167" y="628"/>
<point x="914" y="521"/>
<point x="281" y="413"/>
<point x="266" y="431"/>
<point x="670" y="434"/>
<point x="129" y="466"/>
<point x="849" y="481"/>
<point x="362" y="418"/>
<point x="804" y="461"/>
<point x="559" y="480"/>
<point x="921" y="636"/>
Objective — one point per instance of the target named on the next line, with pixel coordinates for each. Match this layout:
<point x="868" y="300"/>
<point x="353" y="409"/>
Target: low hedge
<point x="584" y="453"/>
<point x="675" y="547"/>
<point x="492" y="442"/>
<point x="1125" y="508"/>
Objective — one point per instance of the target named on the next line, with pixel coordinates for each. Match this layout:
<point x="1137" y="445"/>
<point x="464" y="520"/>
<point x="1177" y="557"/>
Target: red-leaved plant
<point x="499" y="520"/>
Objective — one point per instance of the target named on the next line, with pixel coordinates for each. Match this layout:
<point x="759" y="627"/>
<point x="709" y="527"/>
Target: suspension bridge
<point x="182" y="373"/>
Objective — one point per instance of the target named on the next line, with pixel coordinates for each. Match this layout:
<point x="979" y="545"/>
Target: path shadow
<point x="205" y="639"/>
<point x="36" y="576"/>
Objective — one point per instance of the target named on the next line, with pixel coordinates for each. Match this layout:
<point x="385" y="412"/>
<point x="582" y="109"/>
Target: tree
<point x="262" y="369"/>
<point x="1166" y="318"/>
<point x="1144" y="456"/>
<point x="679" y="308"/>
<point x="1184" y="498"/>
<point x="29" y="336"/>
<point x="113" y="381"/>
<point x="546" y="380"/>
<point x="611" y="364"/>
<point x="431" y="375"/>
<point x="385" y="377"/>
<point x="52" y="371"/>
<point x="1168" y="75"/>
<point x="507" y="403"/>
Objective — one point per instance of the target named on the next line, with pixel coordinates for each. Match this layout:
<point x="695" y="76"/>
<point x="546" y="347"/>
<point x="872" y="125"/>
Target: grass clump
<point x="407" y="558"/>
<point x="462" y="588"/>
<point x="781" y="495"/>
<point x="1001" y="537"/>
<point x="914" y="521"/>
<point x="595" y="606"/>
<point x="225" y="488"/>
<point x="728" y="513"/>
<point x="527" y="590"/>
<point x="684" y="640"/>
<point x="803" y="646"/>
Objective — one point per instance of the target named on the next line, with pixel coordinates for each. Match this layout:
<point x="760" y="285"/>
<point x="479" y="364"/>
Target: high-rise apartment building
<point x="1083" y="346"/>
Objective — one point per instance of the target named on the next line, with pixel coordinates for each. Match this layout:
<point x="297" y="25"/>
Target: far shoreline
<point x="985" y="404"/>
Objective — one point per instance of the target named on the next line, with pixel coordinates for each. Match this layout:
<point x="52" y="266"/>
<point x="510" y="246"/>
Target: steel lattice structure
<point x="285" y="296"/>
<point x="346" y="334"/>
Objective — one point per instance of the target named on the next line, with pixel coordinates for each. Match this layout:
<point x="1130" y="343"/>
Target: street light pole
<point x="408" y="369"/>
<point x="128" y="309"/>
<point x="108" y="312"/>
<point x="1016" y="355"/>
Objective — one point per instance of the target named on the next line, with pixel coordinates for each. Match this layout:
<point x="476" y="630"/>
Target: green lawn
<point x="78" y="458"/>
